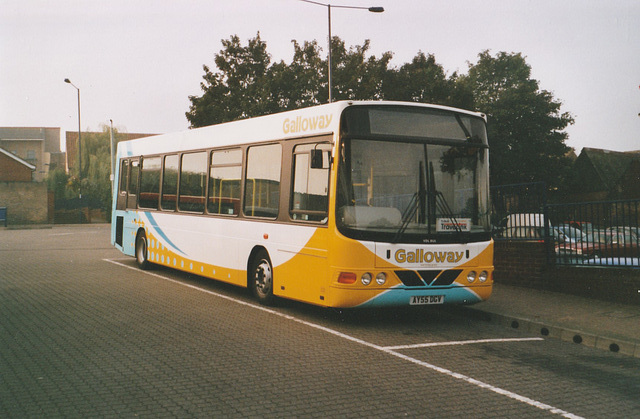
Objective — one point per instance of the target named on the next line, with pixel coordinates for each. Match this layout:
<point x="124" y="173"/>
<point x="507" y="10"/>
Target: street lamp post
<point x="112" y="155"/>
<point x="328" y="6"/>
<point x="79" y="150"/>
<point x="79" y="143"/>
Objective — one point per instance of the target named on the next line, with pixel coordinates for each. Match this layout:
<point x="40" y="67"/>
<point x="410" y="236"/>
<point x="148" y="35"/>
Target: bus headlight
<point x="471" y="276"/>
<point x="484" y="275"/>
<point x="381" y="278"/>
<point x="365" y="278"/>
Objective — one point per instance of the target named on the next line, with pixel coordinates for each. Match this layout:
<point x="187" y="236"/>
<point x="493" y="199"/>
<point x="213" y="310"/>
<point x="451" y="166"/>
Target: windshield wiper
<point x="427" y="196"/>
<point x="407" y="215"/>
<point x="464" y="129"/>
<point x="441" y="203"/>
<point x="418" y="201"/>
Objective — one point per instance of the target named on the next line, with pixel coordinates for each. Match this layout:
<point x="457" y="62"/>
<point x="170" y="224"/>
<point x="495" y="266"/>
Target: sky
<point x="136" y="62"/>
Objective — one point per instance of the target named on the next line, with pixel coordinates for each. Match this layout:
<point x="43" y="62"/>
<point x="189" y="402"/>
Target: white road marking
<point x="460" y="342"/>
<point x="388" y="350"/>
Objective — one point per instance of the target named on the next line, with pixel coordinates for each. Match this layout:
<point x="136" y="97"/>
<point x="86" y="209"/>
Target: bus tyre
<point x="141" y="251"/>
<point x="261" y="278"/>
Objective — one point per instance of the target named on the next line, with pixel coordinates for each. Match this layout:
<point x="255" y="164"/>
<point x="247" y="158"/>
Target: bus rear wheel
<point x="141" y="251"/>
<point x="261" y="278"/>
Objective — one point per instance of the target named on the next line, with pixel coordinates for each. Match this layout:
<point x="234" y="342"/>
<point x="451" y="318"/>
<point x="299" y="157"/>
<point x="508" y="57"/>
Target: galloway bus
<point x="349" y="204"/>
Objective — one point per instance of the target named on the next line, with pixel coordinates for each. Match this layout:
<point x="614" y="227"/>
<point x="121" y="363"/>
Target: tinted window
<point x="224" y="182"/>
<point x="193" y="177"/>
<point x="149" y="182"/>
<point x="134" y="172"/>
<point x="170" y="183"/>
<point x="124" y="176"/>
<point x="133" y="177"/>
<point x="309" y="200"/>
<point x="262" y="187"/>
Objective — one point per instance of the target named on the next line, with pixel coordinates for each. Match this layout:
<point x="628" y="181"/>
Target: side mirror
<point x="317" y="159"/>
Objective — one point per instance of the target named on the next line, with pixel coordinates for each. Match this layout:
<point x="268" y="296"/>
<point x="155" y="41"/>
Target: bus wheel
<point x="261" y="278"/>
<point x="141" y="251"/>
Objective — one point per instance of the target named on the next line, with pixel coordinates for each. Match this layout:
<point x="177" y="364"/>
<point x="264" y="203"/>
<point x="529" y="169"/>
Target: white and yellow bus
<point x="349" y="204"/>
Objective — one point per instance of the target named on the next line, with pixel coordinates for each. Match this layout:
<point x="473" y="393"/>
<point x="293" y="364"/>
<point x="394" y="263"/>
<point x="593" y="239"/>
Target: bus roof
<point x="311" y="121"/>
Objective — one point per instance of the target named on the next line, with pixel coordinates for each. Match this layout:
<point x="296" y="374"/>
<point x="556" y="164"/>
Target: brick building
<point x="27" y="154"/>
<point x="605" y="175"/>
<point x="37" y="146"/>
<point x="14" y="169"/>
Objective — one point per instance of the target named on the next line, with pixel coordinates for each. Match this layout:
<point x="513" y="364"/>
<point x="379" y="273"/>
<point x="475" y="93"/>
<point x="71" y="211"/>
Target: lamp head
<point x="376" y="9"/>
<point x="67" y="81"/>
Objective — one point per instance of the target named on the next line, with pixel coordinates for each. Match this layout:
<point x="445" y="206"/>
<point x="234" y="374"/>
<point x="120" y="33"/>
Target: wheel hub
<point x="263" y="277"/>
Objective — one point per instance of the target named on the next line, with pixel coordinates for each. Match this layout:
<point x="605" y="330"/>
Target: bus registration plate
<point x="426" y="299"/>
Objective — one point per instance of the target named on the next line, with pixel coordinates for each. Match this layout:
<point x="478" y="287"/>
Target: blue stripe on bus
<point x="161" y="233"/>
<point x="401" y="296"/>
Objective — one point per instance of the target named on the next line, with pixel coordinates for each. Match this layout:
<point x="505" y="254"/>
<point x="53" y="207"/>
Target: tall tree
<point x="299" y="84"/>
<point x="96" y="183"/>
<point x="356" y="77"/>
<point x="238" y="89"/>
<point x="525" y="123"/>
<point x="424" y="80"/>
<point x="96" y="169"/>
<point x="246" y="84"/>
<point x="525" y="128"/>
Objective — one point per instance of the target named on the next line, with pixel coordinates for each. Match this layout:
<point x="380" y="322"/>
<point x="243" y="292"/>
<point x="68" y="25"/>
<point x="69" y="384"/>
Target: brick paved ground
<point x="82" y="337"/>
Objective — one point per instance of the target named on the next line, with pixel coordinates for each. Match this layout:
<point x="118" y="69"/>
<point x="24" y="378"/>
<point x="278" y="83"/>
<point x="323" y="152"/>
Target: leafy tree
<point x="239" y="89"/>
<point x="525" y="128"/>
<point x="424" y="80"/>
<point x="299" y="84"/>
<point x="356" y="77"/>
<point x="96" y="170"/>
<point x="246" y="84"/>
<point x="57" y="182"/>
<point x="96" y="162"/>
<point x="525" y="123"/>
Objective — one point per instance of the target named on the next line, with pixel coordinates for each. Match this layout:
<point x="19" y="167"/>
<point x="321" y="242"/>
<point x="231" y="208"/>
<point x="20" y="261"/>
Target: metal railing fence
<point x="595" y="233"/>
<point x="517" y="211"/>
<point x="579" y="234"/>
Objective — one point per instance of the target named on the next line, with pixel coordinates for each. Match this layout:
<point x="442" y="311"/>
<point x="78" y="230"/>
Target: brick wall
<point x="26" y="202"/>
<point x="525" y="264"/>
<point x="13" y="171"/>
<point x="520" y="263"/>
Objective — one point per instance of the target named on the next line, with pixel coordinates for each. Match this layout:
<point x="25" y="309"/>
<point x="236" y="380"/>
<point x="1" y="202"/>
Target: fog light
<point x="381" y="278"/>
<point x="471" y="276"/>
<point x="366" y="278"/>
<point x="484" y="275"/>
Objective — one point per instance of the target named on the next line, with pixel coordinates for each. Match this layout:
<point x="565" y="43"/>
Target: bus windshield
<point x="430" y="186"/>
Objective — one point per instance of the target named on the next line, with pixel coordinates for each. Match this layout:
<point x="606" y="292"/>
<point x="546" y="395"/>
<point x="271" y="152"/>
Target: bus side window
<point x="169" y="183"/>
<point x="149" y="182"/>
<point x="121" y="200"/>
<point x="310" y="188"/>
<point x="262" y="183"/>
<point x="224" y="182"/>
<point x="132" y="189"/>
<point x="193" y="178"/>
